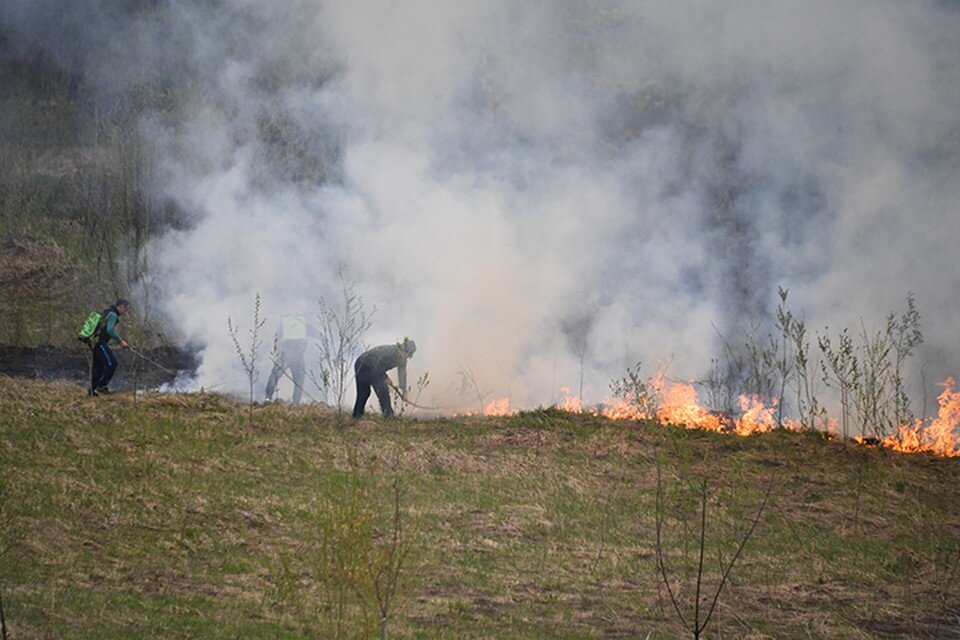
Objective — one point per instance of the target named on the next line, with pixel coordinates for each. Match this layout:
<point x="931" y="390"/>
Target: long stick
<point x="156" y="364"/>
<point x="403" y="397"/>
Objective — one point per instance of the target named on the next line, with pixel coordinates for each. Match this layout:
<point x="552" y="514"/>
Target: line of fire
<point x="676" y="404"/>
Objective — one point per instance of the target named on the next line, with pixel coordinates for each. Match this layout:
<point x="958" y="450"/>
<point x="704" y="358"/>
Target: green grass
<point x="161" y="517"/>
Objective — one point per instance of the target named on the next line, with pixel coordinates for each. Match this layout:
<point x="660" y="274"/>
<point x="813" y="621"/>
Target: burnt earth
<point x="73" y="365"/>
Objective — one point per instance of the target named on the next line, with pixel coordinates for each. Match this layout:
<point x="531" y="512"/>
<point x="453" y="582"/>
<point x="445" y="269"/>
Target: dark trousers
<point x="104" y="364"/>
<point x="367" y="378"/>
<point x="292" y="360"/>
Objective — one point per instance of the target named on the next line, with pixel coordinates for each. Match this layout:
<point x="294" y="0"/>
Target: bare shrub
<point x="248" y="353"/>
<point x="404" y="397"/>
<point x="681" y="509"/>
<point x="342" y="328"/>
<point x="359" y="551"/>
<point x="870" y="374"/>
<point x="636" y="391"/>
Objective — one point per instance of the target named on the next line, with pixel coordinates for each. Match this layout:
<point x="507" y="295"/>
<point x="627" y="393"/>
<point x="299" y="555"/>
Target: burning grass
<point x="163" y="517"/>
<point x="676" y="403"/>
<point x="939" y="435"/>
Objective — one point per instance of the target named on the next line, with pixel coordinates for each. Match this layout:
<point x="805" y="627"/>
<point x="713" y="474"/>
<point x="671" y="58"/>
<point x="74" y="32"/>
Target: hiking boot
<point x="102" y="391"/>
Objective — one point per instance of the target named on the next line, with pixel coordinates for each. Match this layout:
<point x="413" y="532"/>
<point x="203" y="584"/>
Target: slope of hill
<point x="171" y="516"/>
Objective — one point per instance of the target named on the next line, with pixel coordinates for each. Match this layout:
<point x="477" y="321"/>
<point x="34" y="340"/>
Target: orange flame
<point x="499" y="407"/>
<point x="622" y="410"/>
<point x="941" y="436"/>
<point x="569" y="402"/>
<point x="496" y="407"/>
<point x="677" y="404"/>
<point x="757" y="417"/>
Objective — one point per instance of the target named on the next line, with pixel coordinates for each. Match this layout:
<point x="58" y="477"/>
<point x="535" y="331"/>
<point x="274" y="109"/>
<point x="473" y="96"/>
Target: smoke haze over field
<point x="514" y="184"/>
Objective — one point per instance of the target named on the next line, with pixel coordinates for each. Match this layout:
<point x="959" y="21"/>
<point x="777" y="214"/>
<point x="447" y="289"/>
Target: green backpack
<point x="91" y="328"/>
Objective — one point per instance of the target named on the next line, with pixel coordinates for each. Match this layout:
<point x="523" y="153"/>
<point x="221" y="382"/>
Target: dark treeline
<point x="86" y="98"/>
<point x="76" y="185"/>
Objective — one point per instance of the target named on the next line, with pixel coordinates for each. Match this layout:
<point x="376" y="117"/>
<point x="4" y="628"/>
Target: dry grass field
<point x="163" y="516"/>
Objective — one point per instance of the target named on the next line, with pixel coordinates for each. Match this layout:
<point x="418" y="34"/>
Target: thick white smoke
<point x="515" y="185"/>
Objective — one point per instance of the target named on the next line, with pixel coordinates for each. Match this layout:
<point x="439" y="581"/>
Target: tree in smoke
<point x="341" y="333"/>
<point x="870" y="374"/>
<point x="577" y="330"/>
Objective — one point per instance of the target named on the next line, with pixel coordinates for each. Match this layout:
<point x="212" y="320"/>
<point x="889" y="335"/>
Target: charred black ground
<point x="50" y="363"/>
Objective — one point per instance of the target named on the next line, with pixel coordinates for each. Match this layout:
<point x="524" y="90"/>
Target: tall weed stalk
<point x="248" y="355"/>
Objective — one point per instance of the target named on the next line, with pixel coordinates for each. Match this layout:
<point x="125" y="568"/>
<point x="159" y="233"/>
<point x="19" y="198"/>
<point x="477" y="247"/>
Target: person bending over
<point x="371" y="371"/>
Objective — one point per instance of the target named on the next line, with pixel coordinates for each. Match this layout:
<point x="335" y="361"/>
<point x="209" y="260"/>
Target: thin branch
<point x="703" y="543"/>
<point x="733" y="561"/>
<point x="660" y="560"/>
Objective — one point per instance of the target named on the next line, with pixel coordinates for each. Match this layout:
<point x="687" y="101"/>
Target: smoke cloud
<point x="542" y="190"/>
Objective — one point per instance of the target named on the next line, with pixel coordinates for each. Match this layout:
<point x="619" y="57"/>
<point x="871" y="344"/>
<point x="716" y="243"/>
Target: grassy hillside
<point x="169" y="517"/>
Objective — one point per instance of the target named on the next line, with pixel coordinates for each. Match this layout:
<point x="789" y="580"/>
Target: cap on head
<point x="409" y="346"/>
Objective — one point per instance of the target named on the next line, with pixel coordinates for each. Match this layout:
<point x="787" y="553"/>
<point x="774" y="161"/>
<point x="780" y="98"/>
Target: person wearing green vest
<point x="104" y="362"/>
<point x="291" y="345"/>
